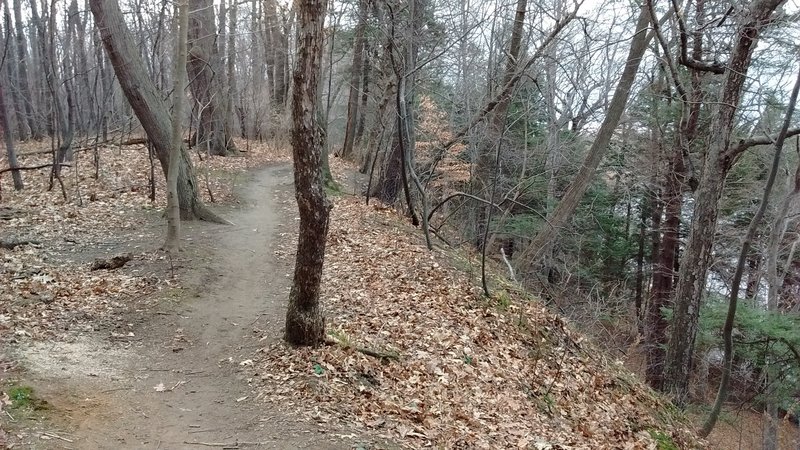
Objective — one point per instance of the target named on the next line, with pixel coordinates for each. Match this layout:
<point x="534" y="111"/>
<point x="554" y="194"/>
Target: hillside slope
<point x="419" y="355"/>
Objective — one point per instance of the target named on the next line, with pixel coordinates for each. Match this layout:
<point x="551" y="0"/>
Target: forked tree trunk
<point x="305" y="324"/>
<point x="147" y="103"/>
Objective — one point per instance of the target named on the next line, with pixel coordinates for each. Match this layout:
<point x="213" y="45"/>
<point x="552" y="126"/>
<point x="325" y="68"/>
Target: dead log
<point x="12" y="243"/>
<point x="112" y="263"/>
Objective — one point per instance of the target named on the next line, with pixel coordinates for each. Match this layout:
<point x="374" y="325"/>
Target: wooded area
<point x="634" y="165"/>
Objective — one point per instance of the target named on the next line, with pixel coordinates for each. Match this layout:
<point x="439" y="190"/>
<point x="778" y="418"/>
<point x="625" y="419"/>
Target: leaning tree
<point x="148" y="104"/>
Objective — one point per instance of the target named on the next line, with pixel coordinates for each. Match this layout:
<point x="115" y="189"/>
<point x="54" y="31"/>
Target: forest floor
<point x="187" y="352"/>
<point x="172" y="366"/>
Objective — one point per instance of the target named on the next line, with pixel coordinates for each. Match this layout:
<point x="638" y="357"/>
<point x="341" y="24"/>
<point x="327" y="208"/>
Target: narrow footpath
<point x="180" y="376"/>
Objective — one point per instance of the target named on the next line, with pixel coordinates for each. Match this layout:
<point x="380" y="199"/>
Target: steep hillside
<point x="419" y="355"/>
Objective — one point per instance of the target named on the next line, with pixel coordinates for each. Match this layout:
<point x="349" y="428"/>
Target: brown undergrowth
<point x="418" y="354"/>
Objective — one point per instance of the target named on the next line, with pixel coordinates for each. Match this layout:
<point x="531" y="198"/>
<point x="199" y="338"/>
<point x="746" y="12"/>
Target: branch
<point x="11" y="169"/>
<point x="369" y="352"/>
<point x="744" y="144"/>
<point x="506" y="91"/>
<point x="714" y="67"/>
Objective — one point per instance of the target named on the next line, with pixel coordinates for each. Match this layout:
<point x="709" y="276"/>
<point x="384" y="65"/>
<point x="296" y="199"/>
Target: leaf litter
<point x="417" y="354"/>
<point x="47" y="287"/>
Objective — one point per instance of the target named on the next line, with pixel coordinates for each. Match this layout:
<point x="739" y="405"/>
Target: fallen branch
<point x="380" y="355"/>
<point x="11" y="244"/>
<point x="226" y="444"/>
<point x="41" y="166"/>
<point x="394" y="356"/>
<point x="53" y="435"/>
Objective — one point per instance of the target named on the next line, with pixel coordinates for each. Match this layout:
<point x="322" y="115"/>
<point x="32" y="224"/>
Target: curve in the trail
<point x="185" y="384"/>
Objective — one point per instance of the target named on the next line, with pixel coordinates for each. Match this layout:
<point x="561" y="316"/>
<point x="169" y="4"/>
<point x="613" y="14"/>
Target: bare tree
<point x="305" y="324"/>
<point x="719" y="158"/>
<point x="205" y="70"/>
<point x="558" y="217"/>
<point x="147" y="103"/>
<point x="179" y="85"/>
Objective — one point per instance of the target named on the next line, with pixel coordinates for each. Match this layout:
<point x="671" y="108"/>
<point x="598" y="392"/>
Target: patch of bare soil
<point x="180" y="374"/>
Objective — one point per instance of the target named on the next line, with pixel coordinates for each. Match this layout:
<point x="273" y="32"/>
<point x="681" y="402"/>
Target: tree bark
<point x="24" y="86"/>
<point x="148" y="104"/>
<point x="178" y="93"/>
<point x="356" y="75"/>
<point x="718" y="161"/>
<point x="305" y="324"/>
<point x="204" y="67"/>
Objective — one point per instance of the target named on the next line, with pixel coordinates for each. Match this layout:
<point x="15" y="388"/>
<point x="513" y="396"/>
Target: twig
<point x="53" y="435"/>
<point x="508" y="263"/>
<point x="41" y="166"/>
<point x="236" y="444"/>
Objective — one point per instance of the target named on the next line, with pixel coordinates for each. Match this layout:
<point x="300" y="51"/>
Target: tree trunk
<point x="362" y="110"/>
<point x="24" y="86"/>
<point x="12" y="72"/>
<point x="718" y="161"/>
<point x="485" y="168"/>
<point x="60" y="120"/>
<point x="277" y="49"/>
<point x="356" y="75"/>
<point x="230" y="69"/>
<point x="400" y="157"/>
<point x="305" y="324"/>
<point x="569" y="202"/>
<point x="663" y="275"/>
<point x="147" y="103"/>
<point x="204" y="67"/>
<point x="178" y="93"/>
<point x="750" y="236"/>
<point x="8" y="137"/>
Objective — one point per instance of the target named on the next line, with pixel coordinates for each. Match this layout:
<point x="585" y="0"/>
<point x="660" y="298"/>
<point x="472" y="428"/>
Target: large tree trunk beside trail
<point x="305" y="324"/>
<point x="147" y="103"/>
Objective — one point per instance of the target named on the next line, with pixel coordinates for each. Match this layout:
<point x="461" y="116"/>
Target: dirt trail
<point x="182" y="377"/>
